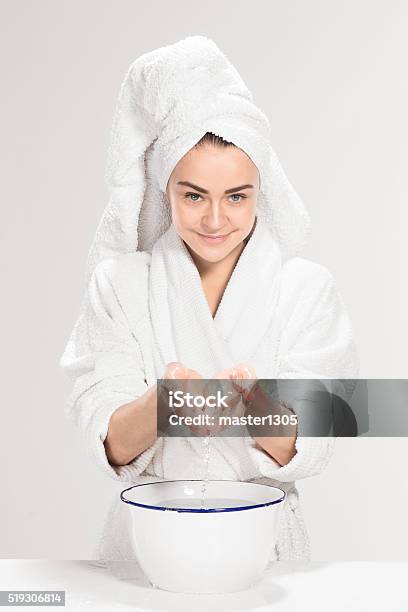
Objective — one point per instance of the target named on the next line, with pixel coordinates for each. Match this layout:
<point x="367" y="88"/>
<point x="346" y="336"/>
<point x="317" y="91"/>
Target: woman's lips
<point x="213" y="239"/>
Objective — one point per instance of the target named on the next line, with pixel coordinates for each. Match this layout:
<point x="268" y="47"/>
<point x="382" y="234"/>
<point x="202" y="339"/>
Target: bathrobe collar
<point x="179" y="309"/>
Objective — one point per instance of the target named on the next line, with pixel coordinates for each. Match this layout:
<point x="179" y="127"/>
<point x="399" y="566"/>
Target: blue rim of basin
<point x="200" y="510"/>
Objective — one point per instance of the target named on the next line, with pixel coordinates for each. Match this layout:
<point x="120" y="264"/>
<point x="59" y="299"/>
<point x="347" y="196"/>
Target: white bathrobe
<point x="145" y="309"/>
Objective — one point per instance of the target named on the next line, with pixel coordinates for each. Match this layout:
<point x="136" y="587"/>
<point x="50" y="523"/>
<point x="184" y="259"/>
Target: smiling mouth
<point x="213" y="240"/>
<point x="214" y="237"/>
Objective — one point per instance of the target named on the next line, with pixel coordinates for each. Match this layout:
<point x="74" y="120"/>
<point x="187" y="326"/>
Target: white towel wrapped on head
<point x="168" y="100"/>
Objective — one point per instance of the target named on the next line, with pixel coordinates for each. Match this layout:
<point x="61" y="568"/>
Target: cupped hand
<point x="242" y="377"/>
<point x="178" y="371"/>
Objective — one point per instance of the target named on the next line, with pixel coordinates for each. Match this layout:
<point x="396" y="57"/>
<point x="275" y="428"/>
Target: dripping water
<point x="207" y="449"/>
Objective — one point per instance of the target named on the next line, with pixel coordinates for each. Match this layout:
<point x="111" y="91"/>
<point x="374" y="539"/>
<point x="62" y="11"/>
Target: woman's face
<point x="212" y="192"/>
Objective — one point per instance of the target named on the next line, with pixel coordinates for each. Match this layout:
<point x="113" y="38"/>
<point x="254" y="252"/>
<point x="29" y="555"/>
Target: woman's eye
<point x="195" y="195"/>
<point x="237" y="195"/>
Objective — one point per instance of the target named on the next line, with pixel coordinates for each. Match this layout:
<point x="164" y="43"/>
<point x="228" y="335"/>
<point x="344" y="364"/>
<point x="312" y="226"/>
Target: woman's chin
<point x="213" y="253"/>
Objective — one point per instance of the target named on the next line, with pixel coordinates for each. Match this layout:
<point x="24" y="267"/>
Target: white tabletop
<point x="286" y="586"/>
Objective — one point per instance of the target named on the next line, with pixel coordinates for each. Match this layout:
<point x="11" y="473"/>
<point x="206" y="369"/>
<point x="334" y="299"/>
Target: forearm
<point x="281" y="445"/>
<point x="282" y="449"/>
<point x="132" y="429"/>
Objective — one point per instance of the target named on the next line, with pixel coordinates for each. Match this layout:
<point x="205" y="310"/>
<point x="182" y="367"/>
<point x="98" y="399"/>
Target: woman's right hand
<point x="178" y="371"/>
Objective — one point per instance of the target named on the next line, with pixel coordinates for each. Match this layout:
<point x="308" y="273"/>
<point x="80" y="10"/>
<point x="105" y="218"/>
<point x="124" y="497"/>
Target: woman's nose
<point x="215" y="216"/>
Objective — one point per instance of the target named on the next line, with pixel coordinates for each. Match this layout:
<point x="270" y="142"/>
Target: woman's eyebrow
<point x="202" y="190"/>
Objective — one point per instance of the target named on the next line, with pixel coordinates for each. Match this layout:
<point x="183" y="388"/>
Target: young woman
<point x="194" y="273"/>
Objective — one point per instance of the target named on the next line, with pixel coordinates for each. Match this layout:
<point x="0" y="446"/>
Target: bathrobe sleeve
<point x="103" y="359"/>
<point x="317" y="343"/>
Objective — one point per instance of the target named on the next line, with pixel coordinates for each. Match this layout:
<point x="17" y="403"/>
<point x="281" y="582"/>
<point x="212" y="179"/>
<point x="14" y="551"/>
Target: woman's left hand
<point x="242" y="377"/>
